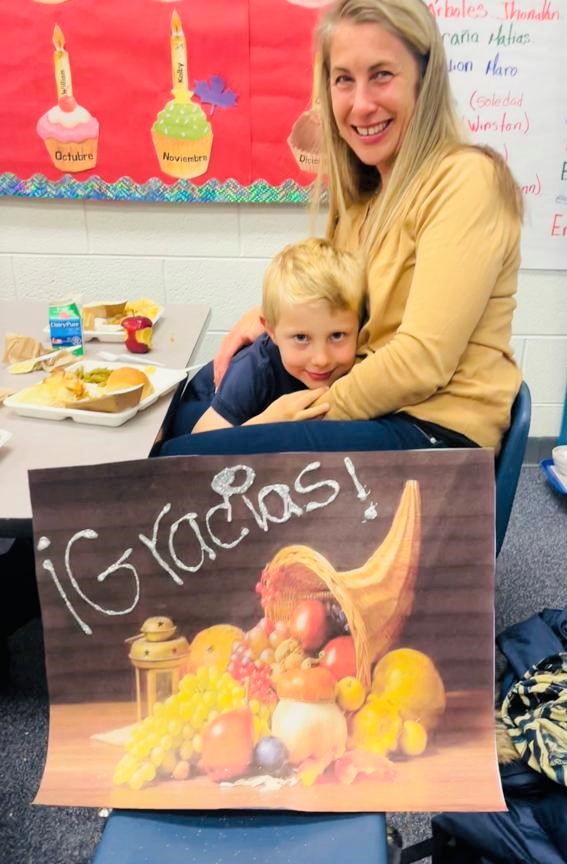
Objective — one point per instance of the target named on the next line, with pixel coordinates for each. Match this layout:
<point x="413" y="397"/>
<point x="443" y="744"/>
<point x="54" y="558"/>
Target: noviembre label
<point x="170" y="157"/>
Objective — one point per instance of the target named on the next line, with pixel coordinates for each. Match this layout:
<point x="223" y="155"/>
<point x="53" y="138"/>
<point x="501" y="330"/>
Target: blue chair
<point x="144" y="837"/>
<point x="509" y="461"/>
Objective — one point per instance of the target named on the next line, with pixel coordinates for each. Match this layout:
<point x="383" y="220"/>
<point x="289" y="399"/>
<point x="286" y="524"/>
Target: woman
<point x="439" y="222"/>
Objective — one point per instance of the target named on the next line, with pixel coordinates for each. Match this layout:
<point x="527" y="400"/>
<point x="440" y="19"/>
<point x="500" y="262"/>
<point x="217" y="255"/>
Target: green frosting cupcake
<point x="185" y="120"/>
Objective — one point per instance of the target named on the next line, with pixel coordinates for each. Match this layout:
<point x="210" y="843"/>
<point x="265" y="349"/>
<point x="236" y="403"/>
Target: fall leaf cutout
<point x="214" y="92"/>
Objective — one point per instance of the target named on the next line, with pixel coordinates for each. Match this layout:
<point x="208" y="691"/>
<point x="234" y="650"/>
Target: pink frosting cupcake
<point x="70" y="134"/>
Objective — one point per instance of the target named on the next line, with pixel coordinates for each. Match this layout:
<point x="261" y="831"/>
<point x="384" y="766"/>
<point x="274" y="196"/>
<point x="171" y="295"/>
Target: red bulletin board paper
<point x="120" y="62"/>
<point x="281" y="57"/>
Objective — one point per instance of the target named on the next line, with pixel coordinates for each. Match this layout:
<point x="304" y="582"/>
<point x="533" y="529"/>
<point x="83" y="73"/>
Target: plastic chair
<point x="144" y="837"/>
<point x="509" y="461"/>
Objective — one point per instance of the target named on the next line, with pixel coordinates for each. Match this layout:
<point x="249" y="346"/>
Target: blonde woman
<point x="438" y="221"/>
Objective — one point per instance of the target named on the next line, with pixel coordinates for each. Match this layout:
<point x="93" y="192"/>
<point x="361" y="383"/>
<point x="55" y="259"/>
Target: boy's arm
<point x="209" y="421"/>
<point x="238" y="397"/>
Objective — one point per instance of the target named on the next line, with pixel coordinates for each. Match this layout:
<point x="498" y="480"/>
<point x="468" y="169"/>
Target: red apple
<point x="308" y="624"/>
<point x="228" y="745"/>
<point x="339" y="657"/>
<point x="138" y="333"/>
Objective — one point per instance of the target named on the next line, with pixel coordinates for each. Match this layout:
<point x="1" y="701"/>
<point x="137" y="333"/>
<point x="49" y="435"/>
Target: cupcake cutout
<point x="305" y="140"/>
<point x="69" y="132"/>
<point x="306" y="133"/>
<point x="182" y="135"/>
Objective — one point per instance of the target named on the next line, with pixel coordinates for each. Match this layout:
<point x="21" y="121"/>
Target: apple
<point x="339" y="657"/>
<point x="138" y="333"/>
<point x="228" y="745"/>
<point x="309" y="624"/>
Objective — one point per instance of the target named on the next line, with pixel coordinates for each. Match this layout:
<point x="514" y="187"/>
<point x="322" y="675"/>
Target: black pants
<point x="17" y="572"/>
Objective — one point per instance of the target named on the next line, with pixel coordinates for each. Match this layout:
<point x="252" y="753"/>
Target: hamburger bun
<point x="128" y="376"/>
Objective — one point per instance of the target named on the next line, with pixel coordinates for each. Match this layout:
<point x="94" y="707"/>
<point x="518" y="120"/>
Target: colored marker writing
<point x="504" y="123"/>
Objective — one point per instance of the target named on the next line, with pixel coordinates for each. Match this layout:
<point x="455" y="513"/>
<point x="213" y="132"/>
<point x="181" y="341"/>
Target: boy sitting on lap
<point x="312" y="302"/>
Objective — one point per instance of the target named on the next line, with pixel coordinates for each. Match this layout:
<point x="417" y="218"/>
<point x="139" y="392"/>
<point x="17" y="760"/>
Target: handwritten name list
<point x="507" y="67"/>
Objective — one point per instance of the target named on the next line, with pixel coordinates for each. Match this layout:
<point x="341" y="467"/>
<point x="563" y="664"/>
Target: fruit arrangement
<point x="312" y="688"/>
<point x="283" y="699"/>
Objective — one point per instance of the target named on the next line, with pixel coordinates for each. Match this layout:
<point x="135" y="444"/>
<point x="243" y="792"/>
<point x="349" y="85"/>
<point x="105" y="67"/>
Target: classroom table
<point x="42" y="443"/>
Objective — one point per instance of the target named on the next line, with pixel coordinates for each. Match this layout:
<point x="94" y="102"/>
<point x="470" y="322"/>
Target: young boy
<point x="312" y="302"/>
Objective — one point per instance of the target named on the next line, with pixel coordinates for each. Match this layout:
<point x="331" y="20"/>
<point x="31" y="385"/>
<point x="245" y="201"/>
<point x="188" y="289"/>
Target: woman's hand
<point x="244" y="332"/>
<point x="293" y="406"/>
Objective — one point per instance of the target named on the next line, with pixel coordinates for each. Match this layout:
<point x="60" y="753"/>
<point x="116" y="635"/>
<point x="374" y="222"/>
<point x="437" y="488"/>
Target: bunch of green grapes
<point x="262" y="718"/>
<point x="169" y="741"/>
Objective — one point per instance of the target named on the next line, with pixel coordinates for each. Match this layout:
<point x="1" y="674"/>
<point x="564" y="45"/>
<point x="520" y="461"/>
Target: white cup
<point x="560" y="460"/>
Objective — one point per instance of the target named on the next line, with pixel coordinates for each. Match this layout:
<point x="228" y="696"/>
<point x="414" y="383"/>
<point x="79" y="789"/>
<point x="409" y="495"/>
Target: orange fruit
<point x="413" y="739"/>
<point x="410" y="680"/>
<point x="350" y="693"/>
<point x="213" y="646"/>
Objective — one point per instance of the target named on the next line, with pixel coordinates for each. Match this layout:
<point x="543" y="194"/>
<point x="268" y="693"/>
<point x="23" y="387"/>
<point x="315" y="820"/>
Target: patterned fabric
<point x="535" y="712"/>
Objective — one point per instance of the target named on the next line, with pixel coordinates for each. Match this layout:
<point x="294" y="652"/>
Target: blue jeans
<point x="324" y="436"/>
<point x="390" y="432"/>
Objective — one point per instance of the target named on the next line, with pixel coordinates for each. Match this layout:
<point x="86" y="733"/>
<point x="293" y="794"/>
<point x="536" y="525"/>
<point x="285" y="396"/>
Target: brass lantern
<point x="158" y="656"/>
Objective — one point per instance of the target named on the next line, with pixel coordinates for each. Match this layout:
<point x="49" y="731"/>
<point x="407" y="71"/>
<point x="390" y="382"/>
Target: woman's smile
<point x="372" y="131"/>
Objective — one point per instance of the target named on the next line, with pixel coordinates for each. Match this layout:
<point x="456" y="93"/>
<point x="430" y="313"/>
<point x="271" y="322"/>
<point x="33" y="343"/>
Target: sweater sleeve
<point x="461" y="234"/>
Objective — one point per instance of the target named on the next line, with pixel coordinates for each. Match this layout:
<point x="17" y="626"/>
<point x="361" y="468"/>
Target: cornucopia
<point x="376" y="598"/>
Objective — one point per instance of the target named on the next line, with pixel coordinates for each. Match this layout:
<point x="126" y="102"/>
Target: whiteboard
<point x="509" y="78"/>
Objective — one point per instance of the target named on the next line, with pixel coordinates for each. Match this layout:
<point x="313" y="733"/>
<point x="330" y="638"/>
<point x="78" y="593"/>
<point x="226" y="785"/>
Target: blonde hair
<point x="433" y="131"/>
<point x="310" y="271"/>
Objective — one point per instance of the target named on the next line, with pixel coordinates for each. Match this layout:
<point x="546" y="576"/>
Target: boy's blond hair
<point x="313" y="270"/>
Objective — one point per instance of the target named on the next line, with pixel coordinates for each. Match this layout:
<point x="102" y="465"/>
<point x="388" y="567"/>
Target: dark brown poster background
<point x="88" y="519"/>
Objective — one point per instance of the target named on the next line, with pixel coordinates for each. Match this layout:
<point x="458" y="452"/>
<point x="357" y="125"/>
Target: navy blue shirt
<point x="255" y="377"/>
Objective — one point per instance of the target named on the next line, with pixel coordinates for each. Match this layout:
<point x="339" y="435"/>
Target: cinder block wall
<point x="217" y="254"/>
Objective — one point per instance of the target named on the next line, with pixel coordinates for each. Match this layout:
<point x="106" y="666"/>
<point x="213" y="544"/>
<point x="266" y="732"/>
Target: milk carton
<point x="65" y="326"/>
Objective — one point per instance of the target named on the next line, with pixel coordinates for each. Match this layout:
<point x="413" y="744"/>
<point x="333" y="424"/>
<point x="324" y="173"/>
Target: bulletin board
<point x="176" y="101"/>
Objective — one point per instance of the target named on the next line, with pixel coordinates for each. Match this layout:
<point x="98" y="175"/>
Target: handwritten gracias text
<point x="271" y="504"/>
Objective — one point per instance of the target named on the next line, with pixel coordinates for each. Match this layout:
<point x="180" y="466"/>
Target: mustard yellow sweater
<point x="441" y="297"/>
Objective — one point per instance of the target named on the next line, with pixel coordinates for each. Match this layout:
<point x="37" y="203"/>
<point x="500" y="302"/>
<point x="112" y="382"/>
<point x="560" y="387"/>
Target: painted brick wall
<point x="217" y="254"/>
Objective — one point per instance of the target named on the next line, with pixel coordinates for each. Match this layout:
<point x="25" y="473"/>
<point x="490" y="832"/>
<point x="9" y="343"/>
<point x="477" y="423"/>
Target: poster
<point x="297" y="631"/>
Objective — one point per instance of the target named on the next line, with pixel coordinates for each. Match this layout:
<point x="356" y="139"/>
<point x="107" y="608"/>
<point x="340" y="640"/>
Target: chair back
<point x="509" y="461"/>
